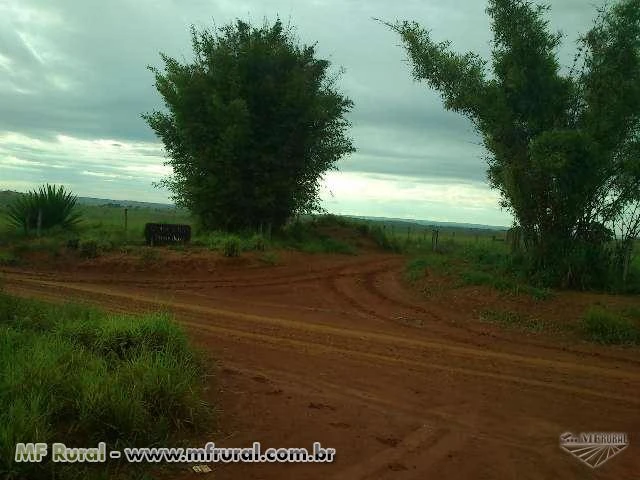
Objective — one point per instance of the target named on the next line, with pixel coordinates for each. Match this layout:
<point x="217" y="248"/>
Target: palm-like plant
<point x="55" y="206"/>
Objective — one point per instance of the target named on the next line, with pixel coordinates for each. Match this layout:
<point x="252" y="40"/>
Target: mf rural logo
<point x="594" y="448"/>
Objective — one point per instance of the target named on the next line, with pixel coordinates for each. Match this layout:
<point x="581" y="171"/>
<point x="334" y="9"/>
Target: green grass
<point x="149" y="256"/>
<point x="487" y="264"/>
<point x="513" y="320"/>
<point x="79" y="376"/>
<point x="608" y="327"/>
<point x="309" y="236"/>
<point x="9" y="259"/>
<point x="415" y="269"/>
<point x="270" y="258"/>
<point x="231" y="246"/>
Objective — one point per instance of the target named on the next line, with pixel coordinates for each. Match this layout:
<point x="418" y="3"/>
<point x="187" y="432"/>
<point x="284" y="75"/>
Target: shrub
<point x="8" y="259"/>
<point x="257" y="242"/>
<point x="415" y="269"/>
<point x="149" y="256"/>
<point x="231" y="246"/>
<point x="363" y="229"/>
<point x="89" y="249"/>
<point x="270" y="258"/>
<point x="513" y="320"/>
<point x="603" y="326"/>
<point x="56" y="206"/>
<point x="73" y="244"/>
<point x="78" y="376"/>
<point x="384" y="241"/>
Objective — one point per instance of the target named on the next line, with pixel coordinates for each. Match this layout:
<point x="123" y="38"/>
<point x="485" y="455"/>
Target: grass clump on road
<point x="513" y="320"/>
<point x="607" y="327"/>
<point x="79" y="376"/>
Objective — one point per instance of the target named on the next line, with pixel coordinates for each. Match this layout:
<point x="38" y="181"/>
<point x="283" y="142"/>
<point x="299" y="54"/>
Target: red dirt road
<point x="335" y="349"/>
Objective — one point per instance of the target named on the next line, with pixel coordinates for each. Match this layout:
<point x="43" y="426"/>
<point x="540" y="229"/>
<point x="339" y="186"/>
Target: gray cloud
<point x="78" y="69"/>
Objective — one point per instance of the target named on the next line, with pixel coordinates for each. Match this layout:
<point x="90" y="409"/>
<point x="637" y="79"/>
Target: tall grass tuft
<point x="54" y="206"/>
<point x="603" y="326"/>
<point x="231" y="246"/>
<point x="80" y="376"/>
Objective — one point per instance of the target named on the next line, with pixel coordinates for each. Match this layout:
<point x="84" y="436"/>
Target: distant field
<point x="110" y="220"/>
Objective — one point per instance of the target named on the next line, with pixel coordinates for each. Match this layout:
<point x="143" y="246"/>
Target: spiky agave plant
<point x="54" y="205"/>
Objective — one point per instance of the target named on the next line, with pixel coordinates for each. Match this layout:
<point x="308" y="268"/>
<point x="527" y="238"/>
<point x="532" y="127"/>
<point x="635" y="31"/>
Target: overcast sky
<point x="73" y="83"/>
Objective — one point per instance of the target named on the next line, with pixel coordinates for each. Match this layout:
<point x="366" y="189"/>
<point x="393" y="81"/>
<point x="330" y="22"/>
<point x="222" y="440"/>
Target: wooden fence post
<point x="434" y="240"/>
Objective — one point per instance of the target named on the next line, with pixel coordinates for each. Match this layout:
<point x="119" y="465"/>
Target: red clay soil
<point x="337" y="349"/>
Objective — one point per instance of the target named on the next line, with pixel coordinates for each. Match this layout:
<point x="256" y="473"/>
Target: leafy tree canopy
<point x="563" y="148"/>
<point x="251" y="126"/>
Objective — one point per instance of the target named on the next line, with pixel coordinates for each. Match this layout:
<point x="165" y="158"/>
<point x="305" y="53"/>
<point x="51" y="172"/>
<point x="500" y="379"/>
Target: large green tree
<point x="252" y="125"/>
<point x="559" y="144"/>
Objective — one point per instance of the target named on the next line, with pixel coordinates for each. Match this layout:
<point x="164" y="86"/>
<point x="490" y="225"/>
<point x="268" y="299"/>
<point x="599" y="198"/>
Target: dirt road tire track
<point x="430" y="396"/>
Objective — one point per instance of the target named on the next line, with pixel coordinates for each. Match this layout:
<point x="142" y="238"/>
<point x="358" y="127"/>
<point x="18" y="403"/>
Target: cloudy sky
<point x="73" y="83"/>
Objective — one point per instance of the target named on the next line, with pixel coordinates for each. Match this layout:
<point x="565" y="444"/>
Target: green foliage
<point x="603" y="326"/>
<point x="231" y="246"/>
<point x="89" y="249"/>
<point x="326" y="245"/>
<point x="513" y="320"/>
<point x="9" y="259"/>
<point x="79" y="376"/>
<point x="415" y="269"/>
<point x="54" y="205"/>
<point x="270" y="258"/>
<point x="253" y="123"/>
<point x="488" y="264"/>
<point x="384" y="240"/>
<point x="564" y="150"/>
<point x="314" y="236"/>
<point x="149" y="256"/>
<point x="257" y="242"/>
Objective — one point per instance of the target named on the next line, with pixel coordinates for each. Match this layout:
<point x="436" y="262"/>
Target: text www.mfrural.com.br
<point x="59" y="452"/>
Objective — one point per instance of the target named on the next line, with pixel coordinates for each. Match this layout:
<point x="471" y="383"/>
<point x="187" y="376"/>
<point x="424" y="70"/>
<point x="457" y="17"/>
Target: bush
<point x="8" y="259"/>
<point x="149" y="256"/>
<point x="326" y="245"/>
<point x="514" y="320"/>
<point x="231" y="246"/>
<point x="257" y="242"/>
<point x="78" y="376"/>
<point x="603" y="326"/>
<point x="363" y="229"/>
<point x="89" y="249"/>
<point x="416" y="269"/>
<point x="270" y="258"/>
<point x="384" y="241"/>
<point x="56" y="206"/>
<point x="73" y="244"/>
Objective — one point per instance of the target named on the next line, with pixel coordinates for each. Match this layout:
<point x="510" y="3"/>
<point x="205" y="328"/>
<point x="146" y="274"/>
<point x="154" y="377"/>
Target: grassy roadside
<point x="485" y="264"/>
<point x="321" y="234"/>
<point x="80" y="376"/>
<point x="597" y="324"/>
<point x="490" y="265"/>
